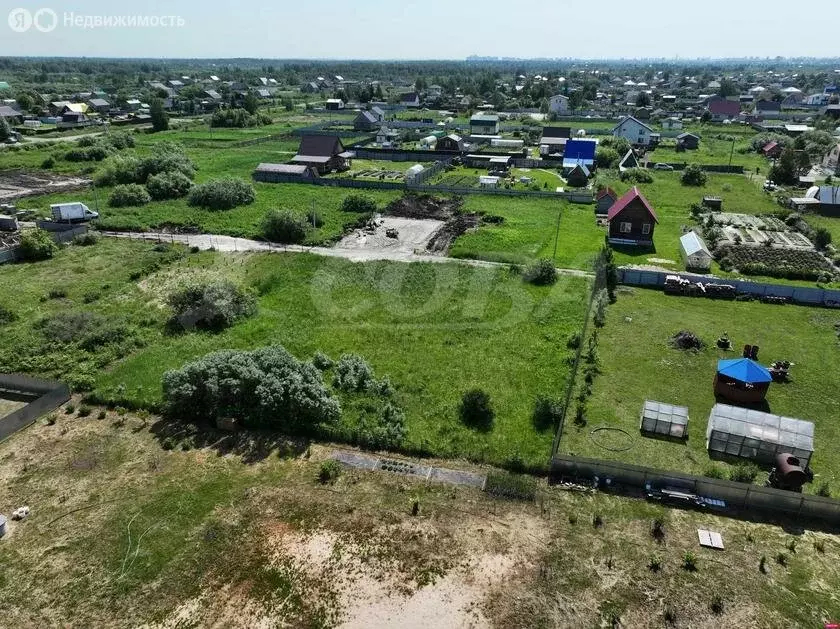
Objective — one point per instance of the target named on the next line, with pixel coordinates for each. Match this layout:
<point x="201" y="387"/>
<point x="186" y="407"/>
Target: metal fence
<point x="804" y="295"/>
<point x="66" y="233"/>
<point x="737" y="495"/>
<point x="48" y="395"/>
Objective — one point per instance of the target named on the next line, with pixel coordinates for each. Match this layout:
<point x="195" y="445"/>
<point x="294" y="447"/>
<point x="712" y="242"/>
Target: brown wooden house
<point x="632" y="220"/>
<point x="324" y="153"/>
<point x="604" y="200"/>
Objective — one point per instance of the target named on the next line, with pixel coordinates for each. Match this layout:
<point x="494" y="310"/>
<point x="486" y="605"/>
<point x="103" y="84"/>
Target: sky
<point x="421" y="29"/>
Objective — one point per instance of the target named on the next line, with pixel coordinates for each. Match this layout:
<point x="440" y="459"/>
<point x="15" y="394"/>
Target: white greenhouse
<point x="750" y="434"/>
<point x="665" y="420"/>
<point x="694" y="252"/>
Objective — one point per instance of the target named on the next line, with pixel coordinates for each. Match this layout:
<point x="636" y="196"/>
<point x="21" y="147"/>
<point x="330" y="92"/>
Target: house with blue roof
<point x="579" y="152"/>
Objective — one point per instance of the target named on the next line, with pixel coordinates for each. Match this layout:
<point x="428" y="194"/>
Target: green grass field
<point x="711" y="151"/>
<point x="436" y="330"/>
<point x="637" y="364"/>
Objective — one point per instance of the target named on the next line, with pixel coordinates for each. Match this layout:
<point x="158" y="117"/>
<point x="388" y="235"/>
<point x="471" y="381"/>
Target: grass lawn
<point x="637" y="363"/>
<point x="529" y="232"/>
<point x="711" y="151"/>
<point x="436" y="330"/>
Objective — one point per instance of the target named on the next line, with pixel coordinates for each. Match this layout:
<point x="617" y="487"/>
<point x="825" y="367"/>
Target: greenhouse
<point x="664" y="419"/>
<point x="755" y="435"/>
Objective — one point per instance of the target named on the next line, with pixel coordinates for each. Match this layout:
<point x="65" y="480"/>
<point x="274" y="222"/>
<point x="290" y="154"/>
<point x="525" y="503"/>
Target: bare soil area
<point x="16" y="184"/>
<point x="391" y="233"/>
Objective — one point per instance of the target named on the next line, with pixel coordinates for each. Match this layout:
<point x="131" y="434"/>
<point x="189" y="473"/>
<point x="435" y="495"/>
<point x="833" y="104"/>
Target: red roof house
<point x="632" y="220"/>
<point x="771" y="149"/>
<point x="724" y="109"/>
<point x="604" y="200"/>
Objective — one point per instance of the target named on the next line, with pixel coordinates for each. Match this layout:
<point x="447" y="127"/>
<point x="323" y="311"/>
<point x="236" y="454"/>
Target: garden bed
<point x="775" y="262"/>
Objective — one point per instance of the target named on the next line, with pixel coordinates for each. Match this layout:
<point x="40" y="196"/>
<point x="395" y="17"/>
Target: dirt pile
<point x="425" y="206"/>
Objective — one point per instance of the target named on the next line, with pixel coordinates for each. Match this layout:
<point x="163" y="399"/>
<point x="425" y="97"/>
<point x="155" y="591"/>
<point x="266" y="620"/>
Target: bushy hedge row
<point x="97" y="148"/>
<point x="265" y="387"/>
<point x="636" y="175"/>
<point x="129" y="195"/>
<point x="238" y="118"/>
<point x="222" y="194"/>
<point x="166" y="173"/>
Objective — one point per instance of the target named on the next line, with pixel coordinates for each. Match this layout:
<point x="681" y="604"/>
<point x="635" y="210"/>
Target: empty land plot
<point x="637" y="364"/>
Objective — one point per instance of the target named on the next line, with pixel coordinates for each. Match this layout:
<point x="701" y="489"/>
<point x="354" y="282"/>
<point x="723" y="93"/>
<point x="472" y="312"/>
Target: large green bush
<point x="358" y="203"/>
<point x="284" y="226"/>
<point x="636" y="175"/>
<point x="211" y="306"/>
<point x="128" y="195"/>
<point x="36" y="244"/>
<point x="385" y="431"/>
<point x="542" y="273"/>
<point x="353" y="374"/>
<point x="222" y="194"/>
<point x="238" y="118"/>
<point x="166" y="157"/>
<point x="265" y="387"/>
<point x="693" y="175"/>
<point x="168" y="185"/>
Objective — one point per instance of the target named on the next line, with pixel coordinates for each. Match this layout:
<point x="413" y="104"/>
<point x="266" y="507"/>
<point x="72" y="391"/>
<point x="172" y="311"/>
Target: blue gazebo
<point x="742" y="380"/>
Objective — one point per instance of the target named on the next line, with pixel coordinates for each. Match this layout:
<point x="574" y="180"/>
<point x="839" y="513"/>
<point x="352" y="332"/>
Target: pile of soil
<point x="454" y="227"/>
<point x="425" y="206"/>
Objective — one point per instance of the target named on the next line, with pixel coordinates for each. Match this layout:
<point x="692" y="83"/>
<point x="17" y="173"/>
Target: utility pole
<point x="732" y="151"/>
<point x="556" y="236"/>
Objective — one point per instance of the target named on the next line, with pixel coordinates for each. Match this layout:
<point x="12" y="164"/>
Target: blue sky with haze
<point x="435" y="29"/>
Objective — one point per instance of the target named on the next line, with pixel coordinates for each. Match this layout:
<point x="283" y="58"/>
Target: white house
<point x="558" y="104"/>
<point x="635" y="131"/>
<point x="672" y="123"/>
<point x="694" y="252"/>
<point x="335" y="104"/>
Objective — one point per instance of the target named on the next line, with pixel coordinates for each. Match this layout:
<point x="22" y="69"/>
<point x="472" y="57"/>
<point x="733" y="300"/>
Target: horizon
<point x="188" y="30"/>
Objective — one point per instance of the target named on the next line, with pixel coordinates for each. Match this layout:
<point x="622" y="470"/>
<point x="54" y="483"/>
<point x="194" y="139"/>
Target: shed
<point x="628" y="161"/>
<point x="742" y="380"/>
<point x="604" y="200"/>
<point x="275" y="173"/>
<point x="411" y="173"/>
<point x="485" y="181"/>
<point x="756" y="435"/>
<point x="694" y="252"/>
<point x="688" y="141"/>
<point x="578" y="177"/>
<point x="664" y="420"/>
<point x="450" y="142"/>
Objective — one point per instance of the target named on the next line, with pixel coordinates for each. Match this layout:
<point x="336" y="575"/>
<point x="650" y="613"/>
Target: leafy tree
<point x="160" y="119"/>
<point x="36" y="244"/>
<point x="168" y="185"/>
<point x="547" y="413"/>
<point x="476" y="410"/>
<point x="265" y="387"/>
<point x="353" y="374"/>
<point x="822" y="238"/>
<point x="643" y="99"/>
<point x="358" y="203"/>
<point x="5" y="130"/>
<point x="728" y="87"/>
<point x="284" y="226"/>
<point x="790" y="165"/>
<point x="222" y="194"/>
<point x="128" y="195"/>
<point x="576" y="100"/>
<point x="606" y="157"/>
<point x="693" y="176"/>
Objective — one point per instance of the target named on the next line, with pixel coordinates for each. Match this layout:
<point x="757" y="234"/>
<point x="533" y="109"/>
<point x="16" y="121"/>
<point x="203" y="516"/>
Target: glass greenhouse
<point x="755" y="435"/>
<point x="664" y="419"/>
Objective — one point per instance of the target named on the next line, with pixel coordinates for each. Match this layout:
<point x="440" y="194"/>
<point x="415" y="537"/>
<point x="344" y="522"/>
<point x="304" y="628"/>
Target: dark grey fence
<point x="582" y="196"/>
<point x="47" y="396"/>
<point x="60" y="232"/>
<point x="804" y="295"/>
<point x="737" y="495"/>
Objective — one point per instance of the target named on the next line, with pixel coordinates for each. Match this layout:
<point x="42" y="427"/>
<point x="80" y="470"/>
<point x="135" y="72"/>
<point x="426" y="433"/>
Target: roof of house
<point x="378" y="111"/>
<point x="829" y="195"/>
<point x="770" y="146"/>
<point x="579" y="169"/>
<point x="264" y="93"/>
<point x="320" y="146"/>
<point x="556" y="132"/>
<point x="5" y="86"/>
<point x="454" y="137"/>
<point x="744" y="370"/>
<point x="99" y="102"/>
<point x="77" y="108"/>
<point x="286" y="169"/>
<point x="484" y="118"/>
<point x="410" y="97"/>
<point x="768" y="105"/>
<point x="685" y="135"/>
<point x="692" y="243"/>
<point x="604" y="192"/>
<point x="580" y="150"/>
<point x="629" y="119"/>
<point x="631" y="195"/>
<point x="8" y="112"/>
<point x="369" y="117"/>
<point x="725" y="107"/>
<point x="213" y="94"/>
<point x="629" y="160"/>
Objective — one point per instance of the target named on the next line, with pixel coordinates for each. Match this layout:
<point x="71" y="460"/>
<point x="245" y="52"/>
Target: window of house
<point x="646" y="228"/>
<point x="626" y="228"/>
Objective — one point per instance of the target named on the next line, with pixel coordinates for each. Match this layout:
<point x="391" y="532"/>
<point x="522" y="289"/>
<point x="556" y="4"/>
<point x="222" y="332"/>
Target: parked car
<point x="661" y="166"/>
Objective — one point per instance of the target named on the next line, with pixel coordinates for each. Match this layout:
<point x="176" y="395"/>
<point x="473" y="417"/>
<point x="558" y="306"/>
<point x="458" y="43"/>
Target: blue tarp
<point x="744" y="370"/>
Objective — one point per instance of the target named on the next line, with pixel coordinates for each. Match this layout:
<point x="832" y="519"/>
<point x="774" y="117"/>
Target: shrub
<point x="121" y="141"/>
<point x="166" y="157"/>
<point x="85" y="411"/>
<point x="601" y="301"/>
<point x="329" y="471"/>
<point x="744" y="473"/>
<point x="168" y="185"/>
<point x="264" y="387"/>
<point x="237" y="118"/>
<point x="689" y="562"/>
<point x="210" y="306"/>
<point x="476" y="410"/>
<point x="782" y="559"/>
<point x="542" y="273"/>
<point x="128" y="195"/>
<point x="69" y="409"/>
<point x="714" y="471"/>
<point x="48" y="163"/>
<point x="507" y="485"/>
<point x="7" y="316"/>
<point x="655" y="563"/>
<point x="57" y="293"/>
<point x="636" y="175"/>
<point x="762" y="564"/>
<point x="823" y="489"/>
<point x="89" y="330"/>
<point x="36" y="244"/>
<point x="101" y="415"/>
<point x="819" y="546"/>
<point x="358" y="203"/>
<point x="353" y="374"/>
<point x="222" y="194"/>
<point x="716" y="605"/>
<point x="314" y="219"/>
<point x="822" y="238"/>
<point x="597" y="520"/>
<point x="120" y="169"/>
<point x="573" y="342"/>
<point x="284" y="226"/>
<point x="386" y="431"/>
<point x="693" y="175"/>
<point x="321" y="361"/>
<point x="657" y="531"/>
<point x="547" y="413"/>
<point x="791" y="546"/>
<point x="87" y="239"/>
